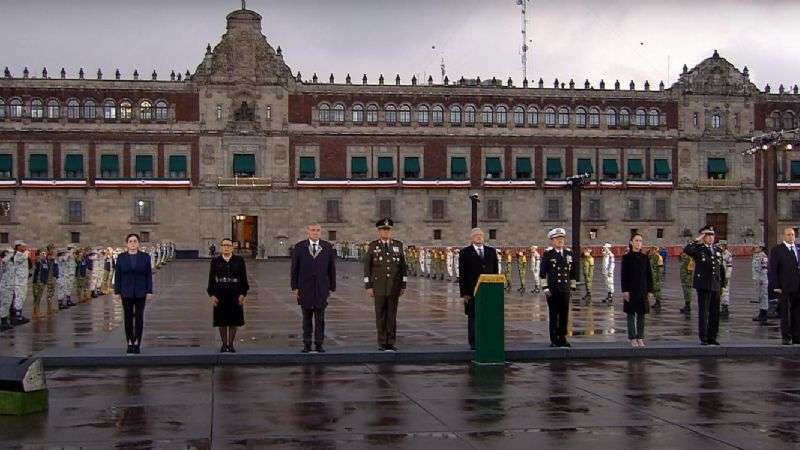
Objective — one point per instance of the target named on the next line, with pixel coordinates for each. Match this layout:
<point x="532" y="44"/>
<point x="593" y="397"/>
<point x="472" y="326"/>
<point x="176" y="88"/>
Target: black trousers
<point x="708" y="317"/>
<point x="313" y="324"/>
<point x="134" y="318"/>
<point x="558" y="308"/>
<point x="469" y="310"/>
<point x="789" y="308"/>
<point x="386" y="319"/>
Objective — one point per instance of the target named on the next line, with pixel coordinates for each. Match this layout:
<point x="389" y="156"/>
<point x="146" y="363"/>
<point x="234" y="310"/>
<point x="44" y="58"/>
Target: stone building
<point x="244" y="147"/>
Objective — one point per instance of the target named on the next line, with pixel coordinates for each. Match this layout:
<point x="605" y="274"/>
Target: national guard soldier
<point x="456" y="270"/>
<point x="760" y="266"/>
<point x="608" y="272"/>
<point x="450" y="264"/>
<point x="687" y="276"/>
<point x="18" y="269"/>
<point x="725" y="297"/>
<point x="587" y="267"/>
<point x="508" y="260"/>
<point x="522" y="269"/>
<point x="5" y="286"/>
<point x="558" y="275"/>
<point x="45" y="272"/>
<point x="657" y="271"/>
<point x="536" y="263"/>
<point x="385" y="280"/>
<point x="709" y="279"/>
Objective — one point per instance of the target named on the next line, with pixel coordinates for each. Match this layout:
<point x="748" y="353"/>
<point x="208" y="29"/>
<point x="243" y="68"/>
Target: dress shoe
<point x="703" y="342"/>
<point x="564" y="343"/>
<point x="307" y="348"/>
<point x="131" y="350"/>
<point x="223" y="349"/>
<point x="553" y="344"/>
<point x="786" y="341"/>
<point x="391" y="348"/>
<point x="381" y="348"/>
<point x="319" y="348"/>
<point x="137" y="349"/>
<point x="713" y="342"/>
<point x="231" y="349"/>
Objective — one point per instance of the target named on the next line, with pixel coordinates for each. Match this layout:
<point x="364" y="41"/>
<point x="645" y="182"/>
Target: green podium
<point x="490" y="343"/>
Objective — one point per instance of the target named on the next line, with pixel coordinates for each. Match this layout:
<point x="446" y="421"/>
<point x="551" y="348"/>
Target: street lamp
<point x="576" y="183"/>
<point x="474" y="200"/>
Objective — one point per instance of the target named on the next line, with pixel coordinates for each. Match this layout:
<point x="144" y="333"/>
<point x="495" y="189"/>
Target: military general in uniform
<point x="558" y="274"/>
<point x="709" y="279"/>
<point x="385" y="281"/>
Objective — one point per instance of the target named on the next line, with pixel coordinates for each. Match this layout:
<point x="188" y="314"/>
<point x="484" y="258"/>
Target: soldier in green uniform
<point x="385" y="280"/>
<point x="687" y="275"/>
<point x="657" y="269"/>
<point x="587" y="267"/>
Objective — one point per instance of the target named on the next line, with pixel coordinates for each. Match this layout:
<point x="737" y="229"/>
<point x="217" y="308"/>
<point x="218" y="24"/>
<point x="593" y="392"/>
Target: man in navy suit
<point x="473" y="261"/>
<point x="784" y="280"/>
<point x="313" y="279"/>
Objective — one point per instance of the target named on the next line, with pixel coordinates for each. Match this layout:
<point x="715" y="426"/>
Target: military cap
<point x="708" y="229"/>
<point x="556" y="232"/>
<point x="386" y="222"/>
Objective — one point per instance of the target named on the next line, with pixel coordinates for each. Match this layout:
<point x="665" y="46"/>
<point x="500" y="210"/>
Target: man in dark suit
<point x="473" y="261"/>
<point x="313" y="279"/>
<point x="558" y="273"/>
<point x="784" y="280"/>
<point x="709" y="279"/>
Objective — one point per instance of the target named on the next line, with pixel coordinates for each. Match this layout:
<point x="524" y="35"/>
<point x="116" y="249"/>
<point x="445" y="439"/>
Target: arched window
<point x="15" y="108"/>
<point x="624" y="117"/>
<point x="469" y="115"/>
<point x="162" y="111"/>
<point x="37" y="109"/>
<point x="455" y="115"/>
<point x="654" y="119"/>
<point x="611" y="117"/>
<point x="2" y="109"/>
<point x="716" y="120"/>
<point x="146" y="110"/>
<point x="391" y="114"/>
<point x="788" y="120"/>
<point x="405" y="115"/>
<point x="581" y="116"/>
<point x="775" y="120"/>
<point x="358" y="114"/>
<point x="338" y="113"/>
<point x="486" y="115"/>
<point x="550" y="116"/>
<point x="53" y="109"/>
<point x="501" y="116"/>
<point x="73" y="109"/>
<point x="423" y="114"/>
<point x="438" y="115"/>
<point x="641" y="117"/>
<point x="372" y="114"/>
<point x="563" y="116"/>
<point x="89" y="110"/>
<point x="324" y="113"/>
<point x="125" y="110"/>
<point x="109" y="110"/>
<point x="594" y="117"/>
<point x="533" y="116"/>
<point x="519" y="116"/>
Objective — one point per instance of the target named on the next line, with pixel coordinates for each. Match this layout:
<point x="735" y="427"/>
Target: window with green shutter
<point x="553" y="169"/>
<point x="717" y="168"/>
<point x="661" y="169"/>
<point x="494" y="168"/>
<point x="585" y="166"/>
<point x="177" y="166"/>
<point x="358" y="167"/>
<point x="37" y="164"/>
<point x="635" y="168"/>
<point x="73" y="166"/>
<point x="6" y="166"/>
<point x="458" y="168"/>
<point x="610" y="168"/>
<point x="795" y="171"/>
<point x="411" y="167"/>
<point x="244" y="165"/>
<point x="385" y="167"/>
<point x="109" y="166"/>
<point x="308" y="167"/>
<point x="524" y="167"/>
<point x="143" y="166"/>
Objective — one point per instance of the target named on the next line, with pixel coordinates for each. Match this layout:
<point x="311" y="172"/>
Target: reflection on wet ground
<point x="681" y="403"/>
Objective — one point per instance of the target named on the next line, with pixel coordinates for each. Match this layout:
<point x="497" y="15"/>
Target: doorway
<point x="720" y="223"/>
<point x="245" y="235"/>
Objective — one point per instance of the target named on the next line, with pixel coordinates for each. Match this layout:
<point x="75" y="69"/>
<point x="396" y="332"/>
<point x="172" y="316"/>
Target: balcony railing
<point x="244" y="183"/>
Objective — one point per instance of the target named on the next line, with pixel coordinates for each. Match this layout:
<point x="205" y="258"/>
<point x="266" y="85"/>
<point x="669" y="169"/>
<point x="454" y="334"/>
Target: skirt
<point x="228" y="312"/>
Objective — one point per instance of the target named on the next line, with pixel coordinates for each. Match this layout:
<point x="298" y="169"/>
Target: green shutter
<point x="38" y="163"/>
<point x="717" y="165"/>
<point x="524" y="169"/>
<point x="411" y="166"/>
<point x="610" y="168"/>
<point x="661" y="168"/>
<point x="635" y="167"/>
<point x="554" y="168"/>
<point x="244" y="164"/>
<point x="308" y="166"/>
<point x="109" y="163"/>
<point x="585" y="166"/>
<point x="795" y="171"/>
<point x="358" y="165"/>
<point x="73" y="163"/>
<point x="385" y="166"/>
<point x="177" y="163"/>
<point x="493" y="167"/>
<point x="5" y="163"/>
<point x="144" y="163"/>
<point x="458" y="167"/>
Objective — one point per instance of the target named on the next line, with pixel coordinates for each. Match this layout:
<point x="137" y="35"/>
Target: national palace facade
<point x="245" y="147"/>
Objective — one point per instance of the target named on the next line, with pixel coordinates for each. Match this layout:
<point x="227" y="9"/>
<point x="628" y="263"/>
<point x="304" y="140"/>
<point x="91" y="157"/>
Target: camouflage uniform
<point x="687" y="275"/>
<point x="657" y="270"/>
<point x="587" y="267"/>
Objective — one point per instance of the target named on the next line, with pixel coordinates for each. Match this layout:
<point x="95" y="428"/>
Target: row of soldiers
<point x="62" y="277"/>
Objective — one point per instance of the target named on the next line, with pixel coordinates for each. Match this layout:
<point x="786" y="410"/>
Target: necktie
<point x="480" y="252"/>
<point x="314" y="246"/>
<point x="794" y="253"/>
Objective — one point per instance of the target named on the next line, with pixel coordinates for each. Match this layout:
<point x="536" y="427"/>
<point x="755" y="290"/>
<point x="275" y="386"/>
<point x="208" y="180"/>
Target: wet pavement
<point x="430" y="314"/>
<point x="664" y="404"/>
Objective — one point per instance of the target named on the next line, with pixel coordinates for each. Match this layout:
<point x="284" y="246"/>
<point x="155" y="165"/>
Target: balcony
<point x="244" y="183"/>
<point x="142" y="183"/>
<point x="53" y="183"/>
<point x="716" y="183"/>
<point x="509" y="183"/>
<point x="347" y="183"/>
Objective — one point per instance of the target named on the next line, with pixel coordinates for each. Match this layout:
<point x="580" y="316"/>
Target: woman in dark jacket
<point x="227" y="287"/>
<point x="134" y="284"/>
<point x="637" y="286"/>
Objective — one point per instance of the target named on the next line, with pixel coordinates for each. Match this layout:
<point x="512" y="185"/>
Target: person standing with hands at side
<point x="637" y="287"/>
<point x="227" y="287"/>
<point x="709" y="279"/>
<point x="473" y="261"/>
<point x="313" y="279"/>
<point x="385" y="281"/>
<point x="559" y="275"/>
<point x="134" y="285"/>
<point x="784" y="281"/>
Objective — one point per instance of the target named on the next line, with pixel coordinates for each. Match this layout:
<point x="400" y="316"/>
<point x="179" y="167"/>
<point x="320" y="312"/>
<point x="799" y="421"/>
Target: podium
<point x="490" y="344"/>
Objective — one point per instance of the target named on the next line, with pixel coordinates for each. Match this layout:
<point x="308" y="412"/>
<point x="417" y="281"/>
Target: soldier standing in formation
<point x="522" y="269"/>
<point x="709" y="279"/>
<point x="657" y="267"/>
<point x="587" y="267"/>
<point x="727" y="258"/>
<point x="760" y="265"/>
<point x="508" y="259"/>
<point x="687" y="278"/>
<point x="385" y="281"/>
<point x="608" y="272"/>
<point x="45" y="272"/>
<point x="536" y="263"/>
<point x="559" y="278"/>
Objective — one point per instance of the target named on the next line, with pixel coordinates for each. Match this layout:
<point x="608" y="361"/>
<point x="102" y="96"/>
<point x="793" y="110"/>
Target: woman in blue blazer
<point x="133" y="282"/>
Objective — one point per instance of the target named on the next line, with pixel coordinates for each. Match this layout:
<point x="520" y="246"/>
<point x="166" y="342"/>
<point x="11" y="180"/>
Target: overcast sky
<point x="594" y="39"/>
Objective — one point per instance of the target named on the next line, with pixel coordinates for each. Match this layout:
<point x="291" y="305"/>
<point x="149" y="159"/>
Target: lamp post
<point x="474" y="201"/>
<point x="576" y="183"/>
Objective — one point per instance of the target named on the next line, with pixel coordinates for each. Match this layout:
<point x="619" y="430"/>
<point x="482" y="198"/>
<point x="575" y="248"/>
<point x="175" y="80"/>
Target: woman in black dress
<point x="227" y="286"/>
<point x="637" y="287"/>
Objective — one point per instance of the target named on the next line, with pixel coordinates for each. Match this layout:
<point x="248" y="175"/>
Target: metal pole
<point x="770" y="197"/>
<point x="576" y="226"/>
<point x="474" y="200"/>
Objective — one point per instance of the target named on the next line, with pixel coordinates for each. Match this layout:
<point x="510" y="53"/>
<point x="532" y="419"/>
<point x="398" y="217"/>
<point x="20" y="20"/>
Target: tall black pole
<point x="474" y="200"/>
<point x="576" y="225"/>
<point x="770" y="197"/>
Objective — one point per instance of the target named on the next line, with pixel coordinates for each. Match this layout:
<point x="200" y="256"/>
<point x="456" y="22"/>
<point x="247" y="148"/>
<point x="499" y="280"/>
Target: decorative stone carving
<point x="715" y="75"/>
